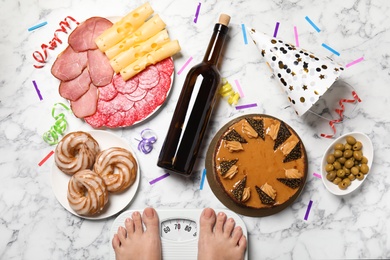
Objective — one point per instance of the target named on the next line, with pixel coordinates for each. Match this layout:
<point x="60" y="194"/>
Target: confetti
<point x="276" y="29"/>
<point x="340" y="113"/>
<point x="296" y="36"/>
<point x="312" y="24"/>
<point x="308" y="210"/>
<point x="246" y="106"/>
<point x="159" y="178"/>
<point x="354" y="62"/>
<point x="244" y="33"/>
<point x="37" y="90"/>
<point x="37" y="26"/>
<point x="184" y="66"/>
<point x="239" y="88"/>
<point x="330" y="49"/>
<point x="197" y="13"/>
<point x="317" y="175"/>
<point x="46" y="158"/>
<point x="202" y="180"/>
<point x="146" y="144"/>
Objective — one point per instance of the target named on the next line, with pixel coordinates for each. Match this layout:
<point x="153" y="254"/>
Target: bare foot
<point x="219" y="238"/>
<point x="133" y="242"/>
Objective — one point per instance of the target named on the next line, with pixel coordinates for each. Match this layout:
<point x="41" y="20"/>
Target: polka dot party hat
<point x="304" y="76"/>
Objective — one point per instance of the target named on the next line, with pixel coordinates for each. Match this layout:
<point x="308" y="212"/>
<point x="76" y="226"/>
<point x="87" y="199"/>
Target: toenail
<point x="149" y="213"/>
<point x="135" y="214"/>
<point x="207" y="213"/>
<point x="127" y="220"/>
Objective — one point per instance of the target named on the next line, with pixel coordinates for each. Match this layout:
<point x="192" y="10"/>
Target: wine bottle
<point x="188" y="126"/>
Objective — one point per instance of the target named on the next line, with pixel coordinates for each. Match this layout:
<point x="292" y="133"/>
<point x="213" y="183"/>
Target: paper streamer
<point x="52" y="136"/>
<point x="308" y="210"/>
<point x="184" y="66"/>
<point x="202" y="179"/>
<point x="146" y="144"/>
<point x="330" y="49"/>
<point x="340" y="112"/>
<point x="312" y="24"/>
<point x="46" y="158"/>
<point x="36" y="26"/>
<point x="159" y="178"/>
<point x="197" y="13"/>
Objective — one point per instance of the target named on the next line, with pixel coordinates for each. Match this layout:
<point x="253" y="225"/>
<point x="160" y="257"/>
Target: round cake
<point x="259" y="162"/>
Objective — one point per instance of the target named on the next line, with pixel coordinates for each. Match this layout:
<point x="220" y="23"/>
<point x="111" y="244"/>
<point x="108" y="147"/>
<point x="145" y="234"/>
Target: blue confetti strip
<point x="244" y="33"/>
<point x="202" y="180"/>
<point x="330" y="49"/>
<point x="312" y="24"/>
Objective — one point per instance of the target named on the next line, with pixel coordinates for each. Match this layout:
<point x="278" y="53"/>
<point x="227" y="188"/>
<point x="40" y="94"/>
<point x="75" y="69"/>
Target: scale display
<point x="178" y="231"/>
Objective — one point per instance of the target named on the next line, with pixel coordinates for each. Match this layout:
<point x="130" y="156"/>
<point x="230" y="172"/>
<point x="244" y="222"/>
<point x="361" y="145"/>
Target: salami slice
<point x="75" y="88"/>
<point x="97" y="120"/>
<point x="121" y="103"/>
<point x="69" y="64"/>
<point x="115" y="119"/>
<point x="125" y="87"/>
<point x="108" y="92"/>
<point x="166" y="66"/>
<point x="149" y="78"/>
<point x="86" y="104"/>
<point x="137" y="95"/>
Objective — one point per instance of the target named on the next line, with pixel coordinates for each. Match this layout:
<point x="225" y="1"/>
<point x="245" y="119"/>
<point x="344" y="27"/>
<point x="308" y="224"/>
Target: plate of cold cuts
<point x="97" y="94"/>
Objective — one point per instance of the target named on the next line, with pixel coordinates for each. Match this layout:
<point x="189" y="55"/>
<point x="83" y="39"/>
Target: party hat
<point x="304" y="76"/>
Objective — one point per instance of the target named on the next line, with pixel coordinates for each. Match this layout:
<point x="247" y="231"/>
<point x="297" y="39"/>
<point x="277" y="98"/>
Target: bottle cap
<point x="224" y="19"/>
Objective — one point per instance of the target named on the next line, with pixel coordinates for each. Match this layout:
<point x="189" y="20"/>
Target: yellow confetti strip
<point x="52" y="136"/>
<point x="227" y="91"/>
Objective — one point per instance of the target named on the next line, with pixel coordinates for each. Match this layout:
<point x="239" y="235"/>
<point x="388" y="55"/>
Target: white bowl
<point x="368" y="152"/>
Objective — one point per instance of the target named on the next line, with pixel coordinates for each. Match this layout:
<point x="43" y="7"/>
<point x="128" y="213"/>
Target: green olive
<point x="358" y="155"/>
<point x="329" y="167"/>
<point x="357" y="146"/>
<point x="364" y="160"/>
<point x="330" y="158"/>
<point x="348" y="154"/>
<point x="347" y="146"/>
<point x="339" y="146"/>
<point x="341" y="160"/>
<point x="337" y="165"/>
<point x="351" y="177"/>
<point x="349" y="163"/>
<point x="338" y="153"/>
<point x="337" y="180"/>
<point x="347" y="171"/>
<point x="360" y="176"/>
<point x="342" y="185"/>
<point x="347" y="181"/>
<point x="330" y="176"/>
<point x="364" y="168"/>
<point x="355" y="170"/>
<point x="350" y="140"/>
<point x="340" y="173"/>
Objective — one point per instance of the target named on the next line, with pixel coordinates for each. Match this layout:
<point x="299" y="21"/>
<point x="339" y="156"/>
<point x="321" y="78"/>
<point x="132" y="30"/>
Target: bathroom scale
<point x="179" y="230"/>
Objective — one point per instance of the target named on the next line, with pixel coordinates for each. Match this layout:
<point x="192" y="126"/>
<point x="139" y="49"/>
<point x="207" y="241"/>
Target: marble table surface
<point x="33" y="224"/>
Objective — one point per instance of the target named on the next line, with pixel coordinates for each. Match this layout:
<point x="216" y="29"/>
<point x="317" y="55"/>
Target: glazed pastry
<point x="117" y="167"/>
<point x="75" y="152"/>
<point x="87" y="193"/>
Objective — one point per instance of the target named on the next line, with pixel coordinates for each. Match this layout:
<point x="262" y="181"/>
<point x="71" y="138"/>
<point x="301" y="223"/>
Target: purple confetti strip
<point x="197" y="13"/>
<point x="37" y="90"/>
<point x="276" y="29"/>
<point x="308" y="210"/>
<point x="246" y="106"/>
<point x="159" y="178"/>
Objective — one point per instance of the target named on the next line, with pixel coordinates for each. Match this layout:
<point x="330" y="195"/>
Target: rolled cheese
<point x="167" y="50"/>
<point x="147" y="30"/>
<point x="123" y="27"/>
<point x="127" y="57"/>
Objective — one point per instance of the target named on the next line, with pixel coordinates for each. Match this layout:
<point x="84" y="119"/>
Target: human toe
<point x="138" y="228"/>
<point x="150" y="219"/>
<point x="207" y="221"/>
<point x="221" y="220"/>
<point x="229" y="227"/>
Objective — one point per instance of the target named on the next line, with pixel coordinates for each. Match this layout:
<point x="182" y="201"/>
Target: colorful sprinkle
<point x="37" y="90"/>
<point x="354" y="62"/>
<point x="37" y="26"/>
<point x="244" y="33"/>
<point x="184" y="66"/>
<point x="46" y="158"/>
<point x="308" y="210"/>
<point x="312" y="24"/>
<point x="146" y="144"/>
<point x="246" y="106"/>
<point x="317" y="175"/>
<point x="296" y="36"/>
<point x="276" y="29"/>
<point x="239" y="88"/>
<point x="330" y="49"/>
<point x="340" y="113"/>
<point x="202" y="180"/>
<point x="159" y="178"/>
<point x="197" y="13"/>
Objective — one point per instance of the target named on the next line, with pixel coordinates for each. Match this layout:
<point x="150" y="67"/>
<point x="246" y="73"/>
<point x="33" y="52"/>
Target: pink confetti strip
<point x="197" y="13"/>
<point x="37" y="90"/>
<point x="246" y="106"/>
<point x="46" y="158"/>
<point x="239" y="88"/>
<point x="159" y="178"/>
<point x="184" y="66"/>
<point x="308" y="210"/>
<point x="317" y="175"/>
<point x="354" y="62"/>
<point x="296" y="36"/>
<point x="276" y="29"/>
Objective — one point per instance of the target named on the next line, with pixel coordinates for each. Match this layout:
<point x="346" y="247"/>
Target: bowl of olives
<point x="346" y="163"/>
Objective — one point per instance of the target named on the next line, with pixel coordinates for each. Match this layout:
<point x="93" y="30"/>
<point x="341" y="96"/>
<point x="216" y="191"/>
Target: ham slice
<point x="100" y="68"/>
<point x="86" y="104"/>
<point x="83" y="37"/>
<point x="75" y="88"/>
<point x="69" y="64"/>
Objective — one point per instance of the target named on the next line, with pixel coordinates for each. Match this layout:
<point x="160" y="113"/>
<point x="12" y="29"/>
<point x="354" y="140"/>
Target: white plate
<point x="368" y="151"/>
<point x="116" y="202"/>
